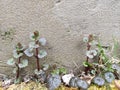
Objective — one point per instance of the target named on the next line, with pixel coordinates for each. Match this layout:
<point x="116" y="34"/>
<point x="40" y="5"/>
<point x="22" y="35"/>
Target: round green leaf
<point x="34" y="35"/>
<point x="19" y="47"/>
<point x="11" y="61"/>
<point x="38" y="72"/>
<point x="42" y="41"/>
<point x="85" y="39"/>
<point x="42" y="53"/>
<point x="63" y="70"/>
<point x="16" y="55"/>
<point x="28" y="52"/>
<point x="15" y="70"/>
<point x="17" y="81"/>
<point x="57" y="71"/>
<point x="23" y="63"/>
<point x="33" y="45"/>
<point x="45" y="66"/>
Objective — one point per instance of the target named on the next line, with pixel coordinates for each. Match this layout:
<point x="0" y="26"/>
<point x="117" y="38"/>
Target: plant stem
<point x="87" y="58"/>
<point x="37" y="50"/>
<point x="18" y="71"/>
<point x="88" y="48"/>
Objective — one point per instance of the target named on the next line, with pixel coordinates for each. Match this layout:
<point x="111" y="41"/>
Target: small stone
<point x="42" y="77"/>
<point x="82" y="84"/>
<point x="7" y="82"/>
<point x="27" y="78"/>
<point x="109" y="76"/>
<point x="73" y="82"/>
<point x="99" y="81"/>
<point x="66" y="78"/>
<point x="53" y="81"/>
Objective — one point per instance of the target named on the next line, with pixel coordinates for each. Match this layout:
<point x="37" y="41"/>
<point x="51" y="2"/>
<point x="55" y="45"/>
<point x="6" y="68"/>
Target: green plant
<point x="17" y="61"/>
<point x="104" y="64"/>
<point x="90" y="53"/>
<point x="59" y="71"/>
<point x="34" y="49"/>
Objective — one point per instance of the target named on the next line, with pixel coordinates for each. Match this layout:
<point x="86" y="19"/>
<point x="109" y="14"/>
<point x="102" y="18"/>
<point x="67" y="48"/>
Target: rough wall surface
<point x="61" y="22"/>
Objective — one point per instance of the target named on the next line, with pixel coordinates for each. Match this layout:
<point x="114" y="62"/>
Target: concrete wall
<point x="62" y="22"/>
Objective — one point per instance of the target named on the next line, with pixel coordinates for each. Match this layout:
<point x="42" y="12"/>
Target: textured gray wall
<point x="62" y="22"/>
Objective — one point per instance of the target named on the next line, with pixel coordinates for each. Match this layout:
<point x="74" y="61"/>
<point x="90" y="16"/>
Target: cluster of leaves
<point x="104" y="68"/>
<point x="33" y="49"/>
<point x="18" y="62"/>
<point x="90" y="53"/>
<point x="104" y="65"/>
<point x="59" y="71"/>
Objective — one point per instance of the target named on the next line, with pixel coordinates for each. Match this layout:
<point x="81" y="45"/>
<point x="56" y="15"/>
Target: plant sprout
<point x="45" y="67"/>
<point x="104" y="64"/>
<point x="17" y="61"/>
<point x="34" y="49"/>
<point x="59" y="71"/>
<point x="90" y="53"/>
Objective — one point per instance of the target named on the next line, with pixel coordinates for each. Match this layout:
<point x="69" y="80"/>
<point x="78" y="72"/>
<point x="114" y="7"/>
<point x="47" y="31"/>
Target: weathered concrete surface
<point x="61" y="22"/>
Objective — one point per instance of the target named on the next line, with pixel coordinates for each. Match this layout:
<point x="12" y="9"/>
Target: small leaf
<point x="23" y="63"/>
<point x="91" y="53"/>
<point x="93" y="72"/>
<point x="38" y="72"/>
<point x="17" y="81"/>
<point x="34" y="35"/>
<point x="11" y="61"/>
<point x="28" y="52"/>
<point x="15" y="70"/>
<point x="42" y="41"/>
<point x="45" y="67"/>
<point x="16" y="55"/>
<point x="19" y="47"/>
<point x="63" y="70"/>
<point x="57" y="71"/>
<point x="33" y="45"/>
<point x="42" y="53"/>
<point x="87" y="64"/>
<point x="93" y="43"/>
<point x="85" y="39"/>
